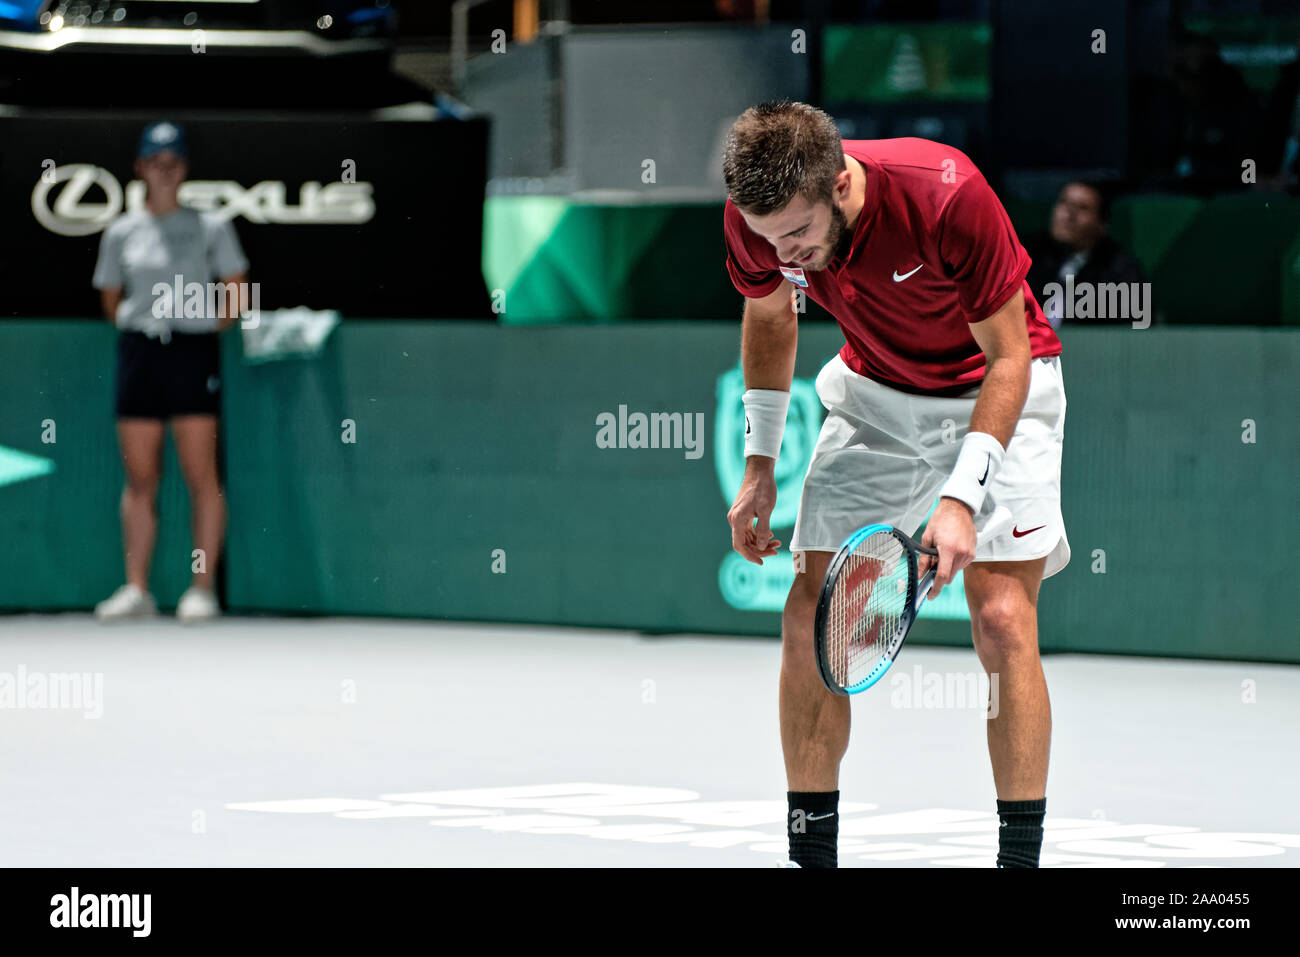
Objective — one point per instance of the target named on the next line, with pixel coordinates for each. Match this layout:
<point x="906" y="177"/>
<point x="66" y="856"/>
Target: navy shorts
<point x="156" y="380"/>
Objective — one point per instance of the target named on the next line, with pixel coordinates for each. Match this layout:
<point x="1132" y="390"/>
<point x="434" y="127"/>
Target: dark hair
<point x="779" y="150"/>
<point x="1105" y="195"/>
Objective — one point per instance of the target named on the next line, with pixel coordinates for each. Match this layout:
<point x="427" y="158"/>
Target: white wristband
<point x="977" y="463"/>
<point x="765" y="411"/>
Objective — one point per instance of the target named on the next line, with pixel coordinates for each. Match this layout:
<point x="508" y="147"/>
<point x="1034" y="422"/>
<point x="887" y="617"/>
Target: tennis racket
<point x="869" y="600"/>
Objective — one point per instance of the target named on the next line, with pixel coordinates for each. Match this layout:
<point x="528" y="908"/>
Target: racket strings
<point x="867" y="607"/>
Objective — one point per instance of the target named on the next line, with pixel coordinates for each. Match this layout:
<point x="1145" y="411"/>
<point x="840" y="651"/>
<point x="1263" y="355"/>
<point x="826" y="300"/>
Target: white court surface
<point x="343" y="742"/>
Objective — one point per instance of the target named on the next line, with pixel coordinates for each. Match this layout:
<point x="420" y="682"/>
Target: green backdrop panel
<point x="1225" y="267"/>
<point x="1291" y="284"/>
<point x="470" y="441"/>
<point x="1149" y="225"/>
<point x="62" y="534"/>
<point x="560" y="261"/>
<point x="461" y="471"/>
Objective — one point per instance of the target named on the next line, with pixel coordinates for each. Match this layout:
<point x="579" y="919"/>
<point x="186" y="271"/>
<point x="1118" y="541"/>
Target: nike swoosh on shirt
<point x="898" y="278"/>
<point x="1017" y="533"/>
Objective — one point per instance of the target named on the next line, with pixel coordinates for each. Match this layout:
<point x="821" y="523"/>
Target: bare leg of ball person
<point x="196" y="447"/>
<point x="141" y="442"/>
<point x="1003" y="600"/>
<point x="814" y="726"/>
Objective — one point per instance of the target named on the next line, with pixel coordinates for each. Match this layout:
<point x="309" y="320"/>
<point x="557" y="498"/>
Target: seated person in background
<point x="1077" y="244"/>
<point x="1280" y="162"/>
<point x="1218" y="113"/>
<point x="1199" y="120"/>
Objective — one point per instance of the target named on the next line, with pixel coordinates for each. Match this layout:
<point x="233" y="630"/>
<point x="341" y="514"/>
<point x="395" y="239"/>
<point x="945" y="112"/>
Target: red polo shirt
<point x="933" y="251"/>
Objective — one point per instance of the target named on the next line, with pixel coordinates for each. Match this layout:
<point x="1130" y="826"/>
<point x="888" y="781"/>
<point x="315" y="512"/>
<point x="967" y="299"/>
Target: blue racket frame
<point x="911" y="608"/>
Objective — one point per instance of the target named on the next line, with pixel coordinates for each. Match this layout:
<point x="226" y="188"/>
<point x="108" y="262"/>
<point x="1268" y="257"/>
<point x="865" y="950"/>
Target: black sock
<point x="1020" y="836"/>
<point x="813" y="826"/>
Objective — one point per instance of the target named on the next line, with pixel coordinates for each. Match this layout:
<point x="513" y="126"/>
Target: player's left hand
<point x="951" y="530"/>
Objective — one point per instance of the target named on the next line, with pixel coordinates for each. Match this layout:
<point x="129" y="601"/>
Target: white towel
<point x="287" y="333"/>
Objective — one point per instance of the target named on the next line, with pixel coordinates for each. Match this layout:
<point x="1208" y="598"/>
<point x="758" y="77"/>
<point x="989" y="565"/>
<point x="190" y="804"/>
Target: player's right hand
<point x="754" y="504"/>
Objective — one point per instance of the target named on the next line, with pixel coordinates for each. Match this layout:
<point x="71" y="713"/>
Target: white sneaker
<point x="127" y="602"/>
<point x="788" y="864"/>
<point x="197" y="604"/>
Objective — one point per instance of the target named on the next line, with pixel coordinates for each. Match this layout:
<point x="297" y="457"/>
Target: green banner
<point x="906" y="62"/>
<point x="550" y="259"/>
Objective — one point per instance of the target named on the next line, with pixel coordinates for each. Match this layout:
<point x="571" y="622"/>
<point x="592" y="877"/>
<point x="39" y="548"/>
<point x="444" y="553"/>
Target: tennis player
<point x="168" y="364"/>
<point x="948" y="386"/>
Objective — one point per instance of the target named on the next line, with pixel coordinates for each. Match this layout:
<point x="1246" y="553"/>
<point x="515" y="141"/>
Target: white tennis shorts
<point x="883" y="455"/>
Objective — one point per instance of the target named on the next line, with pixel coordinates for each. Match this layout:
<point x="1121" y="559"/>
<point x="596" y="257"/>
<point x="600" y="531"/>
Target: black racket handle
<point x="997" y="522"/>
<point x="922" y="590"/>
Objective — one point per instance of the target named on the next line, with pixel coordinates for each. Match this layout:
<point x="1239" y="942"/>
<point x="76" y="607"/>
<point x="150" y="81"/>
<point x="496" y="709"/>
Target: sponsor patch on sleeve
<point x="796" y="276"/>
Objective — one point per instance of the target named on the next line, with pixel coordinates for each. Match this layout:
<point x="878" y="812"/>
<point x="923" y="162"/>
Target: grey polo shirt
<point x="142" y="253"/>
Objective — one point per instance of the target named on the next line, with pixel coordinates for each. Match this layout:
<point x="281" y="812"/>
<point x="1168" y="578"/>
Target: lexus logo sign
<point x="71" y="213"/>
<point x="80" y="199"/>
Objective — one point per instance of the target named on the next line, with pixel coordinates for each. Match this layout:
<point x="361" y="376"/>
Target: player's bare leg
<point x="814" y="725"/>
<point x="814" y="722"/>
<point x="1003" y="599"/>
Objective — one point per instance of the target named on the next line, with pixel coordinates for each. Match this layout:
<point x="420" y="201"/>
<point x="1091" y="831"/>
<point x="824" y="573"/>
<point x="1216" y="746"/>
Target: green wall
<point x="472" y="439"/>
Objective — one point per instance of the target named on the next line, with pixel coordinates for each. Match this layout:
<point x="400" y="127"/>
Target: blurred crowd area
<point x="1131" y="141"/>
<point x="1194" y="96"/>
<point x="1188" y="92"/>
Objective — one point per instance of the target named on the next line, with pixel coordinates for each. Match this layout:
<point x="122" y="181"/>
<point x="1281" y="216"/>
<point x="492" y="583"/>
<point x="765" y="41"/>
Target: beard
<point x="836" y="242"/>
